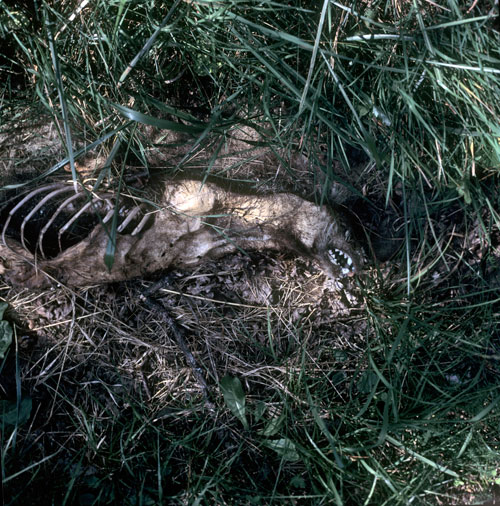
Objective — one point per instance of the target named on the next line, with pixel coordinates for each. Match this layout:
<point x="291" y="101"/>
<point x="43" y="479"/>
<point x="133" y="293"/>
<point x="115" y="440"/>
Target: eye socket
<point x="342" y="260"/>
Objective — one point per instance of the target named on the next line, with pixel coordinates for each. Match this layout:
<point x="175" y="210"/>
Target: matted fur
<point x="193" y="221"/>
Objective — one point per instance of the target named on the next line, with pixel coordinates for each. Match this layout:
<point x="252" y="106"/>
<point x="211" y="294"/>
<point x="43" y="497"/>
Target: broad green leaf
<point x="273" y="426"/>
<point x="284" y="447"/>
<point x="234" y="397"/>
<point x="259" y="411"/>
<point x="9" y="414"/>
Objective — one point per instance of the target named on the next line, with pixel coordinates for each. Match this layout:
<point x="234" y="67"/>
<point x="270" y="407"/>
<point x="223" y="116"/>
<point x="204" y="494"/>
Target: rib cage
<point x="47" y="220"/>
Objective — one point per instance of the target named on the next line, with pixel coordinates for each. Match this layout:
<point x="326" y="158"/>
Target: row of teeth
<point x="343" y="260"/>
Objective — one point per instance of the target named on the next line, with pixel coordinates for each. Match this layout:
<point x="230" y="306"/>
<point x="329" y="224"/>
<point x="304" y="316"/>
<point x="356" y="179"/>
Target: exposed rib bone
<point x="108" y="216"/>
<point x="131" y="215"/>
<point x="42" y="202"/>
<point x="66" y="203"/>
<point x="22" y="202"/>
<point x="71" y="221"/>
<point x="141" y="224"/>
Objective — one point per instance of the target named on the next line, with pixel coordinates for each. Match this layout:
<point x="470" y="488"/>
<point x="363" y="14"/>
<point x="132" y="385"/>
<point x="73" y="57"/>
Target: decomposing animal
<point x="62" y="231"/>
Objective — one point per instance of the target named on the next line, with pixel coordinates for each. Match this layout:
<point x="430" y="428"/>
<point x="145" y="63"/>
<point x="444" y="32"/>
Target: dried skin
<point x="194" y="221"/>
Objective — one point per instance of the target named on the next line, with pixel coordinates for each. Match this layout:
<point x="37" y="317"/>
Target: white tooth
<point x="345" y="271"/>
<point x="332" y="257"/>
<point x="349" y="261"/>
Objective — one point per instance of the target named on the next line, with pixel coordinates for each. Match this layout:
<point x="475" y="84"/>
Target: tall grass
<point x="396" y="404"/>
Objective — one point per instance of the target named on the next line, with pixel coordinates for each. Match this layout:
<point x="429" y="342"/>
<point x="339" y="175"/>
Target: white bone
<point x="22" y="202"/>
<point x="141" y="224"/>
<point x="131" y="215"/>
<point x="37" y="208"/>
<point x="71" y="221"/>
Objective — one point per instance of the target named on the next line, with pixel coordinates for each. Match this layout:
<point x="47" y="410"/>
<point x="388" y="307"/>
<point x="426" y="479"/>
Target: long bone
<point x="141" y="224"/>
<point x="127" y="215"/>
<point x="131" y="215"/>
<point x="109" y="215"/>
<point x="57" y="212"/>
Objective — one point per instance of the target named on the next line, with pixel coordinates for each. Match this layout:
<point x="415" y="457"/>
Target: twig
<point x="176" y="332"/>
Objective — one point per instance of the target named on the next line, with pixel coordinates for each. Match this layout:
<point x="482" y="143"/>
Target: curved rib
<point x="131" y="215"/>
<point x="37" y="208"/>
<point x="141" y="224"/>
<point x="22" y="202"/>
<point x="71" y="221"/>
<point x="53" y="217"/>
<point x="109" y="215"/>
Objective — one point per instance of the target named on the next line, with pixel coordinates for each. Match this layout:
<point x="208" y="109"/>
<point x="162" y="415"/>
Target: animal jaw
<point x="343" y="260"/>
<point x="192" y="222"/>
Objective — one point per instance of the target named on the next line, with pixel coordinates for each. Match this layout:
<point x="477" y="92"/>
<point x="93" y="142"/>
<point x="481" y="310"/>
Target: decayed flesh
<point x="192" y="221"/>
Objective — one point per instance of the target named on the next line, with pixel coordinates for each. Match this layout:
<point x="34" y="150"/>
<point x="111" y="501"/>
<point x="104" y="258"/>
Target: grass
<point x="394" y="402"/>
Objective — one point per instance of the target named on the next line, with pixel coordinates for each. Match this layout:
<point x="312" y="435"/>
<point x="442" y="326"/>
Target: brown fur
<point x="195" y="221"/>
